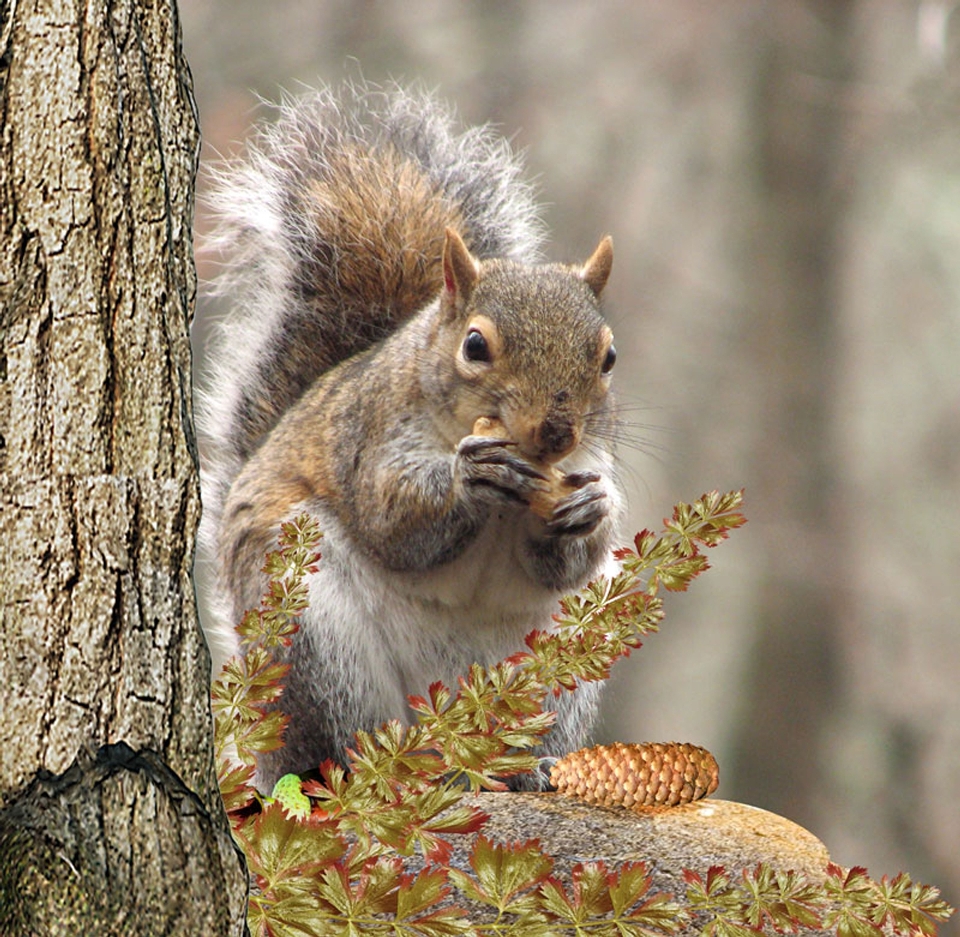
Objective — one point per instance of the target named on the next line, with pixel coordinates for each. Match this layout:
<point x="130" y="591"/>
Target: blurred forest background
<point x="782" y="181"/>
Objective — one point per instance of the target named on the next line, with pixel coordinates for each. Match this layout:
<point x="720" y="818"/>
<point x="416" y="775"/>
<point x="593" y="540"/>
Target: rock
<point x="667" y="840"/>
<point x="694" y="836"/>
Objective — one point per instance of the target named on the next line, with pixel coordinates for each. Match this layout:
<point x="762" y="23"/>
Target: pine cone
<point x="647" y="774"/>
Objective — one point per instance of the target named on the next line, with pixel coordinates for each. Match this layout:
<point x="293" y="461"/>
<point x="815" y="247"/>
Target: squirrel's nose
<point x="555" y="438"/>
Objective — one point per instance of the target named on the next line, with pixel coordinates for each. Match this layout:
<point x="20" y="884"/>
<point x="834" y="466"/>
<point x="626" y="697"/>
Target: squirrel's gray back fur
<point x="307" y="283"/>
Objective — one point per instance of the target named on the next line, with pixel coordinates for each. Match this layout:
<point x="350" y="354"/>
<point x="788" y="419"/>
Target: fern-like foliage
<point x="328" y="856"/>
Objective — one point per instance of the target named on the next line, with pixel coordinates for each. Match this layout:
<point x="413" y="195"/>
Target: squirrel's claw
<point x="497" y="452"/>
<point x="579" y="479"/>
<point x="581" y="512"/>
<point x="493" y="464"/>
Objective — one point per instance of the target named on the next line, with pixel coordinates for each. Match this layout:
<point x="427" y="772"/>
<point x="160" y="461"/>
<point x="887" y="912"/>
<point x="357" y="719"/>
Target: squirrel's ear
<point x="597" y="269"/>
<point x="460" y="272"/>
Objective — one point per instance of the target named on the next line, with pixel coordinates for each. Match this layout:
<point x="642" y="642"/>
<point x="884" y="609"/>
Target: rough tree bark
<point x="110" y="819"/>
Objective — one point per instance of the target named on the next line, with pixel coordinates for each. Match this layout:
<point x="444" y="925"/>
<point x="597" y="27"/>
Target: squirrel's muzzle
<point x="554" y="438"/>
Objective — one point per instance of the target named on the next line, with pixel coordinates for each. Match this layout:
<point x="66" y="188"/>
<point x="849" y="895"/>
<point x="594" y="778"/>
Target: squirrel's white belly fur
<point x="431" y="625"/>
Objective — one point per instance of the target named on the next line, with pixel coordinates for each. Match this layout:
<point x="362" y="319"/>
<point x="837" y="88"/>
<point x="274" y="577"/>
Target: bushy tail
<point x="330" y="228"/>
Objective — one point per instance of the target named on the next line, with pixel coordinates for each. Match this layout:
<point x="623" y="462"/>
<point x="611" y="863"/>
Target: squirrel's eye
<point x="475" y="347"/>
<point x="610" y="360"/>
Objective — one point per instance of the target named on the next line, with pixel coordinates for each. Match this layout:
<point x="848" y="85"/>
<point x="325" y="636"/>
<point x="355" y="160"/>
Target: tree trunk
<point x="110" y="818"/>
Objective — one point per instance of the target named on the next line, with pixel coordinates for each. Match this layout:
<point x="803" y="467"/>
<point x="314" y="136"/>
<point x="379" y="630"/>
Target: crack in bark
<point x="71" y="818"/>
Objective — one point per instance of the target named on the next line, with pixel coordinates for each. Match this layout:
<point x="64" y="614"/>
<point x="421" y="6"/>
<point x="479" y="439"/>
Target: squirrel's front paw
<point x="494" y="465"/>
<point x="580" y="512"/>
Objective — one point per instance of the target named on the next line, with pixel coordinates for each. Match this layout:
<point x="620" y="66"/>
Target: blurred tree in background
<point x="783" y="183"/>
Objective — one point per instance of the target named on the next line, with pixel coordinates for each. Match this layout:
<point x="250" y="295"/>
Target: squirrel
<point x="399" y="363"/>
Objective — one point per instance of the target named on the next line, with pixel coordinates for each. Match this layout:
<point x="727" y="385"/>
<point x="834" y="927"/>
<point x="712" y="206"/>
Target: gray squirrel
<point x="400" y="364"/>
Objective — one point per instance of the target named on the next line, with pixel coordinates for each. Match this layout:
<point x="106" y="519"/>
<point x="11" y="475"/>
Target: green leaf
<point x="900" y="903"/>
<point x="334" y="888"/>
<point x="773" y="898"/>
<point x="434" y="817"/>
<point x="376" y="889"/>
<point x="298" y="915"/>
<point x="382" y="897"/>
<point x="507" y="875"/>
<point x="281" y="851"/>
<point x="853" y="894"/>
<point x="660" y="914"/>
<point x="390" y="825"/>
<point x="247" y="684"/>
<point x="265" y="735"/>
<point x="391" y="757"/>
<point x="422" y="894"/>
<point x="236" y="785"/>
<point x="630" y="884"/>
<point x="677" y="574"/>
<point x="726" y="927"/>
<point x="718" y="900"/>
<point x="554" y="898"/>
